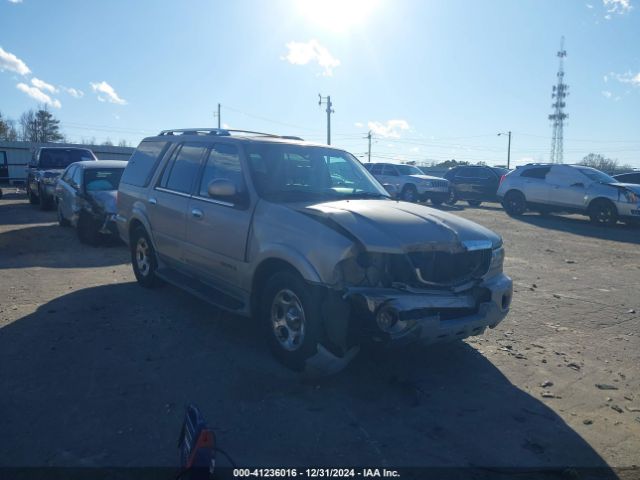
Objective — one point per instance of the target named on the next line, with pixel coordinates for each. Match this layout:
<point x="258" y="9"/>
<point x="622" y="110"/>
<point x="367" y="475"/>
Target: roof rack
<point x="222" y="132"/>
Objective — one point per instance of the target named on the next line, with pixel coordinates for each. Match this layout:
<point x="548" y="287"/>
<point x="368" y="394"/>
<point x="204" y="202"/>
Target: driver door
<point x="567" y="187"/>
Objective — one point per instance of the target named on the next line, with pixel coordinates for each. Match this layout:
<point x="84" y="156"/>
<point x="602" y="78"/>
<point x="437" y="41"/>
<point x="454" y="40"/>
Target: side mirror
<point x="222" y="188"/>
<point x="391" y="189"/>
<point x="578" y="184"/>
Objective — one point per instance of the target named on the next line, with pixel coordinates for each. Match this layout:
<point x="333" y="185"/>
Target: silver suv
<point x="570" y="188"/>
<point x="410" y="182"/>
<point x="302" y="237"/>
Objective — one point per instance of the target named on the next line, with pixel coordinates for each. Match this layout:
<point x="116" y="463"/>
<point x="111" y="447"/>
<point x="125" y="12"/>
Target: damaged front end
<point x="432" y="293"/>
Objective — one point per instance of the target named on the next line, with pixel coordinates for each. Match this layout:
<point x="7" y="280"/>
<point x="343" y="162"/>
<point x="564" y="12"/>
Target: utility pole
<point x="559" y="93"/>
<point x="329" y="111"/>
<point x="508" y="148"/>
<point x="218" y="116"/>
<point x="369" y="137"/>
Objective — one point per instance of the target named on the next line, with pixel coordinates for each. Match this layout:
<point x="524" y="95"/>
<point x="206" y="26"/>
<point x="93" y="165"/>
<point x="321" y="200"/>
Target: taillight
<point x="501" y="179"/>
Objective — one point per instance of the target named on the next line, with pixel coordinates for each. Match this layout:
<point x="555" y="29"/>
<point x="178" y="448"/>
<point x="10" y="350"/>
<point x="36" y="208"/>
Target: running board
<point x="201" y="290"/>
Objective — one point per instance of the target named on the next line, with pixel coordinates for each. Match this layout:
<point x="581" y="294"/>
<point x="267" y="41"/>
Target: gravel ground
<point x="95" y="371"/>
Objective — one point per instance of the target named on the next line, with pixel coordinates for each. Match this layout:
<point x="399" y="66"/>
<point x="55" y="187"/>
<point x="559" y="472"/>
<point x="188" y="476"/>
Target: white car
<point x="570" y="188"/>
<point x="410" y="182"/>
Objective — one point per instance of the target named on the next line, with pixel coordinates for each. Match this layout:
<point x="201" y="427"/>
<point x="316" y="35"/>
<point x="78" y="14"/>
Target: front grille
<point x="444" y="268"/>
<point x="440" y="183"/>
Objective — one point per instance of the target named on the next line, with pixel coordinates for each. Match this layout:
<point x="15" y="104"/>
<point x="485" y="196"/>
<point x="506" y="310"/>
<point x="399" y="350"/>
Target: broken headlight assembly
<point x="497" y="262"/>
<point x="628" y="196"/>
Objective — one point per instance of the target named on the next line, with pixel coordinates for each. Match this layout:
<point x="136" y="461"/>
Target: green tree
<point x="40" y="126"/>
<point x="7" y="129"/>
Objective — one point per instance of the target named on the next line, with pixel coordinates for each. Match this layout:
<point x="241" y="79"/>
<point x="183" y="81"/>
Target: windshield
<point x="597" y="175"/>
<point x="99" y="180"/>
<point x="285" y="172"/>
<point x="62" y="158"/>
<point x="409" y="170"/>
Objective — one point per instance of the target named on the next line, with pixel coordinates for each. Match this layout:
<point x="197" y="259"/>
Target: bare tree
<point x="123" y="143"/>
<point x="600" y="162"/>
<point x="108" y="142"/>
<point x="8" y="130"/>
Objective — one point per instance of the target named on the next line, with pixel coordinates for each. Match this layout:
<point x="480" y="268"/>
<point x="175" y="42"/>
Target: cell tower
<point x="559" y="93"/>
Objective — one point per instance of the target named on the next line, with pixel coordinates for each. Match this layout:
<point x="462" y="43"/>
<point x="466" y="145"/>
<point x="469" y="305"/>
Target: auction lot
<point x="95" y="371"/>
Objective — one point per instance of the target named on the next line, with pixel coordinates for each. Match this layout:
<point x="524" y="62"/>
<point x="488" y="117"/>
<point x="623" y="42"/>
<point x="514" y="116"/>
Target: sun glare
<point x="337" y="15"/>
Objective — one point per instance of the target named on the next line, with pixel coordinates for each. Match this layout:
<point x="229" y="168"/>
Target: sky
<point x="432" y="80"/>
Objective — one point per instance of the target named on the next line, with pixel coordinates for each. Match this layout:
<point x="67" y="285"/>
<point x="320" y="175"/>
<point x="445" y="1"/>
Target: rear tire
<point x="474" y="203"/>
<point x="514" y="203"/>
<point x="603" y="212"/>
<point x="409" y="194"/>
<point x="290" y="315"/>
<point x="143" y="259"/>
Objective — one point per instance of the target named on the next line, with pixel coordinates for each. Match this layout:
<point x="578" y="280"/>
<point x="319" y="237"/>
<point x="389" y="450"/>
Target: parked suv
<point x="631" y="177"/>
<point x="304" y="238"/>
<point x="570" y="188"/>
<point x="410" y="182"/>
<point x="474" y="183"/>
<point x="44" y="169"/>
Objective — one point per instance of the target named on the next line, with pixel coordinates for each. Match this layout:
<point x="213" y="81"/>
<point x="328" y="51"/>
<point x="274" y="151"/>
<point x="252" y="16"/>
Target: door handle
<point x="153" y="201"/>
<point x="196" y="212"/>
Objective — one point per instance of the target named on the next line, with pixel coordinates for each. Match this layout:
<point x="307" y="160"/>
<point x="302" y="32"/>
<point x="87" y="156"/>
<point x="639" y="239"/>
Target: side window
<point x="182" y="168"/>
<point x="69" y="174"/>
<point x="143" y="163"/>
<point x="76" y="179"/>
<point x="464" y="172"/>
<point x="536" y="172"/>
<point x="376" y="169"/>
<point x="223" y="163"/>
<point x="484" y="173"/>
<point x="389" y="170"/>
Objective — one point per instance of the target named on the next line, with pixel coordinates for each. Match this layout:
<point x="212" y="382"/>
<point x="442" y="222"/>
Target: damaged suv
<point x="302" y="237"/>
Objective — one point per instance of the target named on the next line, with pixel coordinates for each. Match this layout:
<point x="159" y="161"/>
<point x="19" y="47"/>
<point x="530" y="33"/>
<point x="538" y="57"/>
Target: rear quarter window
<point x="537" y="172"/>
<point x="143" y="163"/>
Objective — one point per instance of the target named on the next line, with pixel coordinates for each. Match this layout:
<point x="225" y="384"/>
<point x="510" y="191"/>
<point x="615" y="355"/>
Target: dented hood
<point x="629" y="186"/>
<point x="400" y="227"/>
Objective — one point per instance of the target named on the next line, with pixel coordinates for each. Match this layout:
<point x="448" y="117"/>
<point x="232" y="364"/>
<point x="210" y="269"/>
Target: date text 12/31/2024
<point x="315" y="473"/>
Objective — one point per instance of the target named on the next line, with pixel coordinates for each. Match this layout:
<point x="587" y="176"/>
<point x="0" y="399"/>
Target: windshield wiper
<point x="365" y="195"/>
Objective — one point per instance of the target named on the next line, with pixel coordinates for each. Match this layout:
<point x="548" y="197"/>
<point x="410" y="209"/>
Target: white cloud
<point x="15" y="1"/>
<point x="358" y="124"/>
<point x="74" y="92"/>
<point x="38" y="95"/>
<point x="607" y="93"/>
<point x="589" y="6"/>
<point x="300" y="53"/>
<point x="391" y="128"/>
<point x="628" y="77"/>
<point x="617" y="6"/>
<point x="42" y="85"/>
<point x="8" y="61"/>
<point x="109" y="93"/>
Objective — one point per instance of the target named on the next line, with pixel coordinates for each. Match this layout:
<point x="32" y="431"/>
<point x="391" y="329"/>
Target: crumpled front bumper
<point x="433" y="316"/>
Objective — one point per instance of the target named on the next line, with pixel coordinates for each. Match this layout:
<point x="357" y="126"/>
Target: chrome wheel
<point x="142" y="257"/>
<point x="287" y="320"/>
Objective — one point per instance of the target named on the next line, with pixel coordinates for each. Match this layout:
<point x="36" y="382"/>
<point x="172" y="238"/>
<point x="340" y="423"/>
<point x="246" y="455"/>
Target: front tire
<point x="603" y="212"/>
<point x="33" y="200"/>
<point x="409" y="194"/>
<point x="290" y="313"/>
<point x="437" y="201"/>
<point x="45" y="204"/>
<point x="514" y="203"/>
<point x="62" y="221"/>
<point x="143" y="259"/>
<point x="452" y="199"/>
<point x="88" y="230"/>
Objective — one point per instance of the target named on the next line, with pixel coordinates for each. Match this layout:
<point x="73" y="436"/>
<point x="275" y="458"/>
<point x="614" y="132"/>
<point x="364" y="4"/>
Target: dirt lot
<point x="95" y="371"/>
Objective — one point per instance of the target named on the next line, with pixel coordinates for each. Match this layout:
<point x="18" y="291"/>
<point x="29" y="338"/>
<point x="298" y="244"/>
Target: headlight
<point x="497" y="262"/>
<point x="427" y="183"/>
<point x="629" y="196"/>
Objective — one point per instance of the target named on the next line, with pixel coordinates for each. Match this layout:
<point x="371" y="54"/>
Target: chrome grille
<point x="444" y="268"/>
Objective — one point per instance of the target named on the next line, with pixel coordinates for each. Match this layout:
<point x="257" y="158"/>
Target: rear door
<point x="65" y="192"/>
<point x="169" y="200"/>
<point x="534" y="185"/>
<point x="217" y="228"/>
<point x="390" y="175"/>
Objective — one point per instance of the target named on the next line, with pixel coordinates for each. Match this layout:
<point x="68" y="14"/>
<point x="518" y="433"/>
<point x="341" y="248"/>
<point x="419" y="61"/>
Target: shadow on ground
<point x="582" y="227"/>
<point x="100" y="377"/>
<point x="37" y="234"/>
